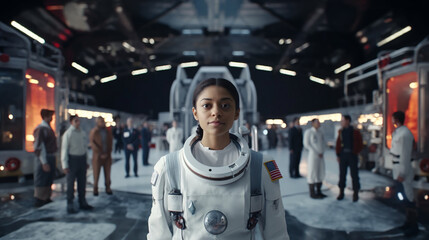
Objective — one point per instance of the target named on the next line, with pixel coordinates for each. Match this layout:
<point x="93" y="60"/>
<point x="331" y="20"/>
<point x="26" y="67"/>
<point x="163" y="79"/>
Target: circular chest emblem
<point x="215" y="222"/>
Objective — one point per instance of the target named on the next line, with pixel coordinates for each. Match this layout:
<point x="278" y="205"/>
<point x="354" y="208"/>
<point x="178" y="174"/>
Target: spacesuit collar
<point x="218" y="175"/>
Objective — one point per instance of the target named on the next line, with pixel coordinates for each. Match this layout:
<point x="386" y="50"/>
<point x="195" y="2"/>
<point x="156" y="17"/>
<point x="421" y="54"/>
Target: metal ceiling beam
<point x="167" y="11"/>
<point x="276" y="15"/>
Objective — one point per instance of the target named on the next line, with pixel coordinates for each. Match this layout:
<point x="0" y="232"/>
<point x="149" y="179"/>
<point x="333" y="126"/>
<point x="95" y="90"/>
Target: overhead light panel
<point x="33" y="81"/>
<point x="237" y="64"/>
<point x="287" y="72"/>
<point x="189" y="64"/>
<point x="139" y="71"/>
<point x="152" y="57"/>
<point x="152" y="41"/>
<point x="79" y="67"/>
<point x="281" y="41"/>
<point x="189" y="53"/>
<point x="163" y="67"/>
<point x="108" y="79"/>
<point x="238" y="53"/>
<point x="318" y="80"/>
<point x="394" y="36"/>
<point x="128" y="46"/>
<point x="288" y="41"/>
<point x="27" y="32"/>
<point x="145" y="40"/>
<point x="342" y="68"/>
<point x="264" y="68"/>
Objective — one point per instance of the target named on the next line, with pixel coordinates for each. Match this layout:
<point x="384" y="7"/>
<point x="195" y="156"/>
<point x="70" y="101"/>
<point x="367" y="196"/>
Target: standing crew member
<point x="174" y="137"/>
<point x="315" y="143"/>
<point x="348" y="146"/>
<point x="403" y="173"/>
<point x="101" y="141"/>
<point x="146" y="137"/>
<point x="45" y="147"/>
<point x="74" y="160"/>
<point x="295" y="148"/>
<point x="130" y="137"/>
<point x="215" y="187"/>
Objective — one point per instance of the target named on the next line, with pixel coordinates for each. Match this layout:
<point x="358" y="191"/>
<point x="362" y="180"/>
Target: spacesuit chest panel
<point x="201" y="197"/>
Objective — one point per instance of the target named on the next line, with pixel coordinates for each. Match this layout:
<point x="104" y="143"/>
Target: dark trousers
<point x="127" y="161"/>
<point x="349" y="160"/>
<point x="118" y="146"/>
<point x="145" y="153"/>
<point x="77" y="171"/>
<point x="294" y="160"/>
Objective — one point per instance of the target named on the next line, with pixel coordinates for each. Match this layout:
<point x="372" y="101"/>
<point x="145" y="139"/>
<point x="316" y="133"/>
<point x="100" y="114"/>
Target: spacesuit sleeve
<point x="159" y="219"/>
<point x="273" y="222"/>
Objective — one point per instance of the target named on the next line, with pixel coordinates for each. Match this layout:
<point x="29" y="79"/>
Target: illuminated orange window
<point x="402" y="95"/>
<point x="40" y="94"/>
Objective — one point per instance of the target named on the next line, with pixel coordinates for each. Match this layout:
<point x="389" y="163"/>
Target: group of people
<point x="74" y="160"/>
<point x="348" y="146"/>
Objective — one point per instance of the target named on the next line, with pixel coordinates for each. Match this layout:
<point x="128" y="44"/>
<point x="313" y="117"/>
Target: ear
<point x="194" y="112"/>
<point x="237" y="114"/>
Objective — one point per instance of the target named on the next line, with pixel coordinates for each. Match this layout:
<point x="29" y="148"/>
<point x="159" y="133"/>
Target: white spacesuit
<point x="401" y="153"/>
<point x="216" y="202"/>
<point x="174" y="137"/>
<point x="315" y="143"/>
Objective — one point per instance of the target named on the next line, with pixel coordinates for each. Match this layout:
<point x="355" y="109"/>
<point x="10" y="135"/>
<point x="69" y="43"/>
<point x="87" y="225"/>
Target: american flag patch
<point x="273" y="170"/>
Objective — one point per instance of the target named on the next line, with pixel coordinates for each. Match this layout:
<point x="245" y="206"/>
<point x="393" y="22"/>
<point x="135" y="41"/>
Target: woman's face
<point x="215" y="110"/>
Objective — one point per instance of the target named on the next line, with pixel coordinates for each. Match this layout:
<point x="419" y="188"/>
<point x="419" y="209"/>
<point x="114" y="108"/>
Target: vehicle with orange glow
<point x="29" y="81"/>
<point x="402" y="77"/>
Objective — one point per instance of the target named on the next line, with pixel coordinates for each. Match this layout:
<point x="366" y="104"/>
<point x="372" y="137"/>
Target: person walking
<point x="131" y="140"/>
<point x="348" y="146"/>
<point x="314" y="141"/>
<point x="45" y="148"/>
<point x="295" y="148"/>
<point x="101" y="141"/>
<point x="403" y="172"/>
<point x="75" y="165"/>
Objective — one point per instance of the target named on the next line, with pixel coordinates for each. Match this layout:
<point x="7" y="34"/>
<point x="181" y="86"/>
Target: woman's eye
<point x="225" y="105"/>
<point x="206" y="105"/>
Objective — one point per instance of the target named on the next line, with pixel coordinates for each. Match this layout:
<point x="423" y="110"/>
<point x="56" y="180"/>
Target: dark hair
<point x="46" y="113"/>
<point x="400" y="116"/>
<point x="220" y="82"/>
<point x="313" y="120"/>
<point x="295" y="119"/>
<point x="347" y="117"/>
<point x="72" y="117"/>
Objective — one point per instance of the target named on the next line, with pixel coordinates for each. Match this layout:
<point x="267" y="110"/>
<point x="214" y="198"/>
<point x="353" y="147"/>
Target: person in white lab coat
<point x="174" y="137"/>
<point x="315" y="144"/>
<point x="215" y="187"/>
<point x="403" y="173"/>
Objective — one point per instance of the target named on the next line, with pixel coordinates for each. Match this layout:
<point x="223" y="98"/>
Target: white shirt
<point x="73" y="143"/>
<point x="215" y="158"/>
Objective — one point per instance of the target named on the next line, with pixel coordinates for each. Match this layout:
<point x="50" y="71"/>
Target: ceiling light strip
<point x="27" y="32"/>
<point x="318" y="80"/>
<point x="79" y="67"/>
<point x="394" y="36"/>
<point x="108" y="79"/>
<point x="342" y="68"/>
<point x="287" y="72"/>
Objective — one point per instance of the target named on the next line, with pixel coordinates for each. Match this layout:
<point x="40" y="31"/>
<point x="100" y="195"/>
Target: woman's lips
<point x="215" y="123"/>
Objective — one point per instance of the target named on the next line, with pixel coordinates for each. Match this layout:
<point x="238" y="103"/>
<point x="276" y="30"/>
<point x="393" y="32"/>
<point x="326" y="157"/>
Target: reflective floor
<point x="124" y="214"/>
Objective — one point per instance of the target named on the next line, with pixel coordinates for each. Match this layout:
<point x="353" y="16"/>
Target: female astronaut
<point x="215" y="187"/>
